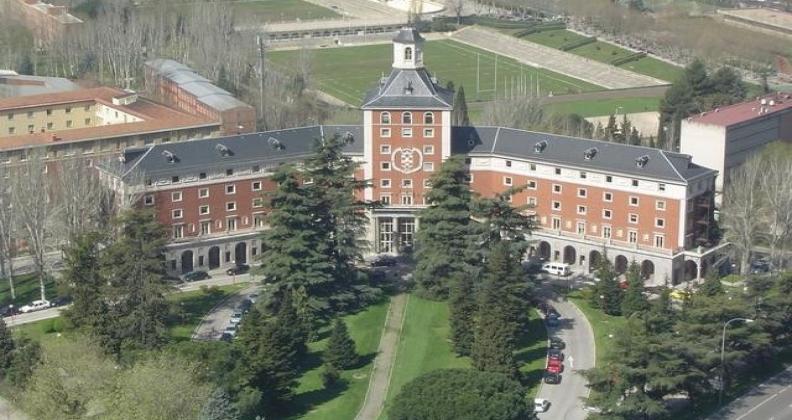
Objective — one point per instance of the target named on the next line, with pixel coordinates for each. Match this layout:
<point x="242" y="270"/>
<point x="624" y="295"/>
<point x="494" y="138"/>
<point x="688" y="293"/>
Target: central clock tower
<point x="407" y="136"/>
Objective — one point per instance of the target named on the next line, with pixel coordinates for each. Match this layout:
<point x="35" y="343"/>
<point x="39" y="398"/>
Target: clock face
<point x="407" y="159"/>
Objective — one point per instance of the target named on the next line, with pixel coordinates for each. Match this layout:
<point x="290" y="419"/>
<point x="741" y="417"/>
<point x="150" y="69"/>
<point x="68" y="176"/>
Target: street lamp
<point x="723" y="349"/>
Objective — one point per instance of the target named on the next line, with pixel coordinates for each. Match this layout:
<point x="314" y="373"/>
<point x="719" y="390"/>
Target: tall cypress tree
<point x="608" y="296"/>
<point x="340" y="352"/>
<point x="83" y="277"/>
<point x="459" y="116"/>
<point x="495" y="334"/>
<point x="462" y="318"/>
<point x="134" y="266"/>
<point x="445" y="244"/>
<point x="634" y="299"/>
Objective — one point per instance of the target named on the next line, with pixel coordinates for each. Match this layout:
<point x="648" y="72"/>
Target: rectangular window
<point x="607" y="214"/>
<point x="557" y="205"/>
<point x="407" y="183"/>
<point x="632" y="236"/>
<point x="533" y="166"/>
<point x="661" y="187"/>
<point x="230" y="189"/>
<point x="556" y="188"/>
<point x="231" y="206"/>
<point x="556" y="223"/>
<point x="258" y="202"/>
<point x="428" y="149"/>
<point x="10" y="117"/>
<point x="427" y="183"/>
<point x="49" y="126"/>
<point x="203" y="193"/>
<point x="229" y="172"/>
<point x="633" y="200"/>
<point x="87" y="121"/>
<point x="659" y="222"/>
<point x="634" y="182"/>
<point x="255" y="186"/>
<point x="633" y="218"/>
<point x="385" y="166"/>
<point x="531" y="185"/>
<point x="31" y="128"/>
<point x="255" y="169"/>
<point x="385" y="183"/>
<point x="385" y="132"/>
<point x="428" y="166"/>
<point x="607" y="196"/>
<point x="68" y="123"/>
<point x="582" y="192"/>
<point x="385" y="149"/>
<point x="385" y="199"/>
<point x="507" y="180"/>
<point x="406" y="132"/>
<point x="259" y="220"/>
<point x="406" y="200"/>
<point x="148" y="200"/>
<point x="178" y="231"/>
<point x="532" y="201"/>
<point x="68" y="110"/>
<point x="581" y="228"/>
<point x="177" y="213"/>
<point x="468" y="161"/>
<point x="231" y="224"/>
<point x="558" y="171"/>
<point x="583" y="175"/>
<point x="581" y="210"/>
<point x="428" y="132"/>
<point x="659" y="241"/>
<point x="508" y="164"/>
<point x="206" y="227"/>
<point x="606" y="232"/>
<point x="176" y="196"/>
<point x="660" y="205"/>
<point x="11" y="130"/>
<point x="174" y="179"/>
<point x="202" y="175"/>
<point x="203" y="210"/>
<point x="608" y="178"/>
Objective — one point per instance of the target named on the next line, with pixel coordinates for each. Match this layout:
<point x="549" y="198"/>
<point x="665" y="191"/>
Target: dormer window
<point x="642" y="161"/>
<point x="540" y="146"/>
<point x="428" y="118"/>
<point x="408" y="53"/>
<point x="590" y="153"/>
<point x="385" y="118"/>
<point x="407" y="118"/>
<point x="223" y="150"/>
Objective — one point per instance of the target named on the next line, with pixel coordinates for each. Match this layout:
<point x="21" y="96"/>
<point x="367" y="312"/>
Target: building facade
<point x="47" y="22"/>
<point x="590" y="199"/>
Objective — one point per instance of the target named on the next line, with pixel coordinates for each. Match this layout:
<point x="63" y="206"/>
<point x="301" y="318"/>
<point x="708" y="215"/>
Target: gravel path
<point x="383" y="363"/>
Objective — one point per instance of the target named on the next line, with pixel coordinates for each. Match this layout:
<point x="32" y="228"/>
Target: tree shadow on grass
<point x="525" y="356"/>
<point x="364" y="360"/>
<point x="307" y="401"/>
<point x="311" y="361"/>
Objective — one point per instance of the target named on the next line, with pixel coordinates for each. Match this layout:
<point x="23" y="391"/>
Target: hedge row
<point x="579" y="43"/>
<point x="549" y="26"/>
<point x="627" y="59"/>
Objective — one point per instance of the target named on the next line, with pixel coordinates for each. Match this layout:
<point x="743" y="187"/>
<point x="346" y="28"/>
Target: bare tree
<point x="742" y="208"/>
<point x="35" y="208"/>
<point x="79" y="195"/>
<point x="457" y="7"/>
<point x="776" y="188"/>
<point x="7" y="242"/>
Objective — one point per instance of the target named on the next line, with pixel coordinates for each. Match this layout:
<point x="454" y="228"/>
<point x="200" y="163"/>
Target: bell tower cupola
<point x="408" y="49"/>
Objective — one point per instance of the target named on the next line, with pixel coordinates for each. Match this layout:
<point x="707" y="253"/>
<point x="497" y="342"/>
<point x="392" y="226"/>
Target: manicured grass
<point x="27" y="289"/>
<point x="553" y="39"/>
<point x="601" y="51"/>
<point x="313" y="400"/>
<point x="651" y="66"/>
<point x="590" y="108"/>
<point x="347" y="73"/>
<point x="533" y="352"/>
<point x="195" y="304"/>
<point x="603" y="325"/>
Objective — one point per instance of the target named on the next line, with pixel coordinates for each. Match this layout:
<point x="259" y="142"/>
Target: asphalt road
<point x="567" y="399"/>
<point x="770" y="400"/>
<point x="213" y="323"/>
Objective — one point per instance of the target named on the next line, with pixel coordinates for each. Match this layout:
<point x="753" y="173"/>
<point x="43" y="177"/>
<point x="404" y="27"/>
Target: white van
<point x="557" y="268"/>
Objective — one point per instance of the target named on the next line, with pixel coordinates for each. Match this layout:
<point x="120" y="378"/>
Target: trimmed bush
<point x="578" y="43"/>
<point x="624" y="60"/>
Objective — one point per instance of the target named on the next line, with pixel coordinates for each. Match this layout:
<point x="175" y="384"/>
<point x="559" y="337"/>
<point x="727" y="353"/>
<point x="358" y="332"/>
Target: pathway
<point x="567" y="399"/>
<point x="214" y="322"/>
<point x="8" y="412"/>
<point x="772" y="399"/>
<point x="383" y="363"/>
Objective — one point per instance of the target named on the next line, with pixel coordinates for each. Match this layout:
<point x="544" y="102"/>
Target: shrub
<point x="330" y="375"/>
<point x="47" y="326"/>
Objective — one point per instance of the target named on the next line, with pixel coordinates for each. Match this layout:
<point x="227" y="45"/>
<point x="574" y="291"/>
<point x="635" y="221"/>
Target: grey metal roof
<point x="264" y="148"/>
<point x="199" y="86"/>
<point x="17" y="86"/>
<point x="570" y="151"/>
<point x="409" y="88"/>
<point x="408" y="36"/>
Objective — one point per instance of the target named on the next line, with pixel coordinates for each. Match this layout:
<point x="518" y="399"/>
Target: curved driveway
<point x="567" y="399"/>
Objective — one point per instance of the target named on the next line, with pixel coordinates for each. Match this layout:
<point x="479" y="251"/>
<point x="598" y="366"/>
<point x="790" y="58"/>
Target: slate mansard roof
<point x="199" y="86"/>
<point x="409" y="88"/>
<point x="292" y="145"/>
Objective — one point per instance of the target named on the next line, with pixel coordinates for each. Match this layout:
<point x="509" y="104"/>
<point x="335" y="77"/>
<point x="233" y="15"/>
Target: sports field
<point x="347" y="73"/>
<point x="264" y="10"/>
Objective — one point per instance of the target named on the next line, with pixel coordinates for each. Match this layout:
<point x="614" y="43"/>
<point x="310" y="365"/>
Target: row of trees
<point x="664" y="351"/>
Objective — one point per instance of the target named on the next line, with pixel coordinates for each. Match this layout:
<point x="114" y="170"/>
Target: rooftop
<point x="199" y="86"/>
<point x="409" y="88"/>
<point x="59" y="13"/>
<point x="745" y="111"/>
<point x="156" y="118"/>
<point x="408" y="35"/>
<point x="13" y="84"/>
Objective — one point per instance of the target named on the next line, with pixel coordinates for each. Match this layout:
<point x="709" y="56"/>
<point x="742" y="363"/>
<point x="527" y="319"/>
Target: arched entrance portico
<point x="621" y="264"/>
<point x="647" y="269"/>
<point x="595" y="259"/>
<point x="544" y="250"/>
<point x="570" y="255"/>
<point x="691" y="270"/>
<point x="186" y="261"/>
<point x="214" y="257"/>
<point x="240" y="253"/>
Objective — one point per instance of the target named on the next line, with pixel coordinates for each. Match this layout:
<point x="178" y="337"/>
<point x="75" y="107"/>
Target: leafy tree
<point x="24" y="359"/>
<point x="711" y="286"/>
<point x="462" y="305"/>
<point x="219" y="407"/>
<point x="82" y="275"/>
<point x="496" y="325"/>
<point x="135" y="268"/>
<point x="340" y="352"/>
<point x="503" y="221"/>
<point x="330" y="376"/>
<point x="634" y="299"/>
<point x="459" y="116"/>
<point x="7" y="346"/>
<point x="608" y="295"/>
<point x="463" y="395"/>
<point x="635" y="137"/>
<point x="445" y="244"/>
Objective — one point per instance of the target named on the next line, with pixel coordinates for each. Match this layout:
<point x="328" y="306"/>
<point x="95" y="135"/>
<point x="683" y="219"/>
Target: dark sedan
<point x="238" y="269"/>
<point x="196" y="275"/>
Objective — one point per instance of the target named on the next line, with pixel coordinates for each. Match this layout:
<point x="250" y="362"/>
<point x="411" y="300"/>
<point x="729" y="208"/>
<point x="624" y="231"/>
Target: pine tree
<point x="459" y="116"/>
<point x="609" y="133"/>
<point x="608" y="296"/>
<point x="340" y="352"/>
<point x="503" y="221"/>
<point x="134" y="266"/>
<point x="599" y="132"/>
<point x="445" y="244"/>
<point x="634" y="299"/>
<point x="462" y="305"/>
<point x="219" y="407"/>
<point x="495" y="334"/>
<point x="6" y="347"/>
<point x="635" y="137"/>
<point x="82" y="275"/>
<point x="712" y="285"/>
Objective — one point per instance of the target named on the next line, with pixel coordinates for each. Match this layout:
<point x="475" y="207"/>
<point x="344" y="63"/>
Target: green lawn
<point x="553" y="39"/>
<point x="601" y="51"/>
<point x="602" y="324"/>
<point x="195" y="304"/>
<point x="590" y="108"/>
<point x="260" y="11"/>
<point x="312" y="400"/>
<point x="651" y="66"/>
<point x="347" y="73"/>
<point x="532" y="352"/>
<point x="27" y="289"/>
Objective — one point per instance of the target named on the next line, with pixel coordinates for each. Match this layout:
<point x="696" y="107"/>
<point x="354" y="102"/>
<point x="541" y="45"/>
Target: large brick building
<point x="591" y="198"/>
<point x="47" y="22"/>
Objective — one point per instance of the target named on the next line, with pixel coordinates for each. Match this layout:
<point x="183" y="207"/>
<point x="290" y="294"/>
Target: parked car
<point x="230" y="330"/>
<point x="8" y="310"/>
<point x="196" y="276"/>
<point x="541" y="405"/>
<point x="238" y="269"/>
<point x="555" y="364"/>
<point x="533" y="265"/>
<point x="551" y="321"/>
<point x="236" y="317"/>
<point x="384" y="261"/>
<point x="552" y="378"/>
<point x="253" y="297"/>
<point x="555" y="354"/>
<point x="61" y="301"/>
<point x="227" y="336"/>
<point x="761" y="266"/>
<point x="556" y="369"/>
<point x="244" y="306"/>
<point x="557" y="343"/>
<point x="36" y="305"/>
